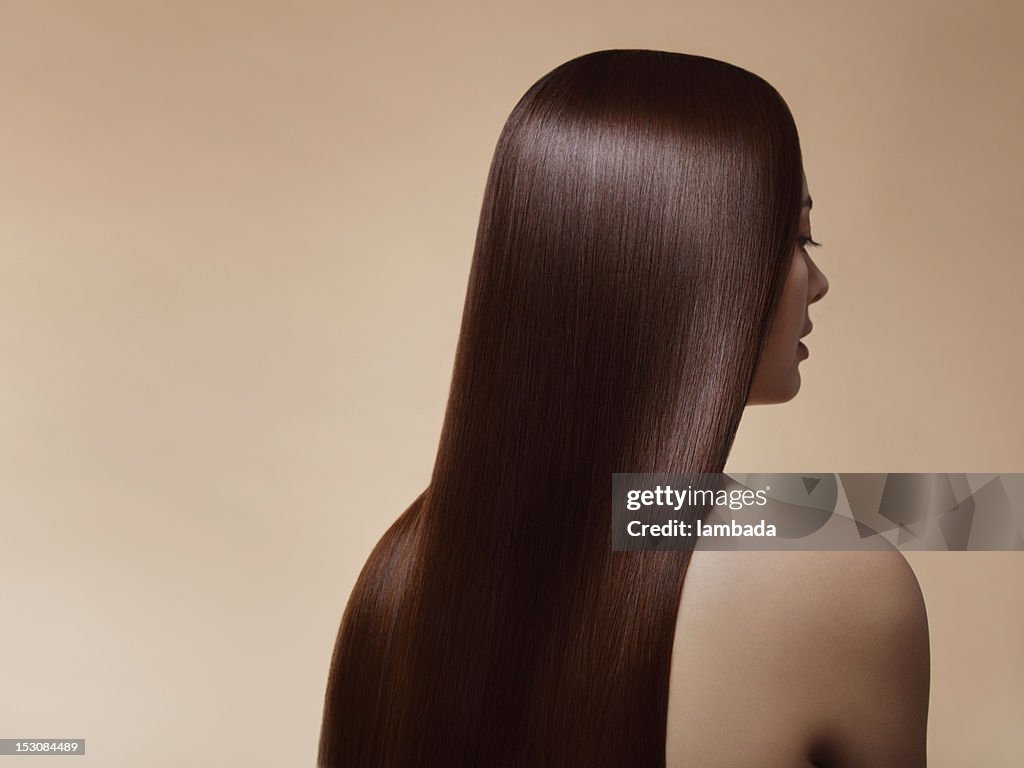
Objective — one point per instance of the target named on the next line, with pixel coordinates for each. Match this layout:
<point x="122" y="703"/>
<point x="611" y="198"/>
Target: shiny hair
<point x="637" y="225"/>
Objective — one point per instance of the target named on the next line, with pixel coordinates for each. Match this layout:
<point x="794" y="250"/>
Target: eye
<point x="803" y="242"/>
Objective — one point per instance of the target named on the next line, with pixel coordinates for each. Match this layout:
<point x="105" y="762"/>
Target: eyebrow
<point x="807" y="202"/>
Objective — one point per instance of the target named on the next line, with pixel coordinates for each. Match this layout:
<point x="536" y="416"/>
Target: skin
<point x="778" y="375"/>
<point x="798" y="658"/>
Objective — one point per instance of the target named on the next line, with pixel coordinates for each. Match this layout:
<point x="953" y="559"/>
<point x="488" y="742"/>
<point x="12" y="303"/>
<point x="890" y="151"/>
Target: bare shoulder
<point x="820" y="655"/>
<point x="816" y="589"/>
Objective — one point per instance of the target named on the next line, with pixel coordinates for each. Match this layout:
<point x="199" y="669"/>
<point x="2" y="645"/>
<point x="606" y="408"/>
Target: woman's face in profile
<point x="778" y="377"/>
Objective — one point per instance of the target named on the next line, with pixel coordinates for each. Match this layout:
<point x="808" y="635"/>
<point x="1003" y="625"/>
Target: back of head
<point x="637" y="221"/>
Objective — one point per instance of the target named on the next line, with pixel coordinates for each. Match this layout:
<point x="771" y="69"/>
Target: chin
<point x="779" y="392"/>
<point x="791" y="391"/>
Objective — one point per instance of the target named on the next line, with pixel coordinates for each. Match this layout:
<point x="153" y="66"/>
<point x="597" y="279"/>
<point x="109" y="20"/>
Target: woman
<point x="640" y="275"/>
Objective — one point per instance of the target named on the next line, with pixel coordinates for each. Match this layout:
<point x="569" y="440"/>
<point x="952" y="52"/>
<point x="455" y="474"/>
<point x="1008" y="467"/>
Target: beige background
<point x="235" y="240"/>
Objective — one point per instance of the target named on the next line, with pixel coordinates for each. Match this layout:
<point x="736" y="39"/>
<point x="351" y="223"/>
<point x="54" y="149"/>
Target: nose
<point x="817" y="282"/>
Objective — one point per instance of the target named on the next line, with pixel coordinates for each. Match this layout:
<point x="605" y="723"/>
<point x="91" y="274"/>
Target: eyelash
<point x="805" y="241"/>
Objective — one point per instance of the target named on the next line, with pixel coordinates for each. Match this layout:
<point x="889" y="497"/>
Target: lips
<point x="800" y="346"/>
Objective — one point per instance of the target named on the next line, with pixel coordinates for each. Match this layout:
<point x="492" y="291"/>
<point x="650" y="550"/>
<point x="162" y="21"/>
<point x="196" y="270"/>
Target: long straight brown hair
<point x="638" y="220"/>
